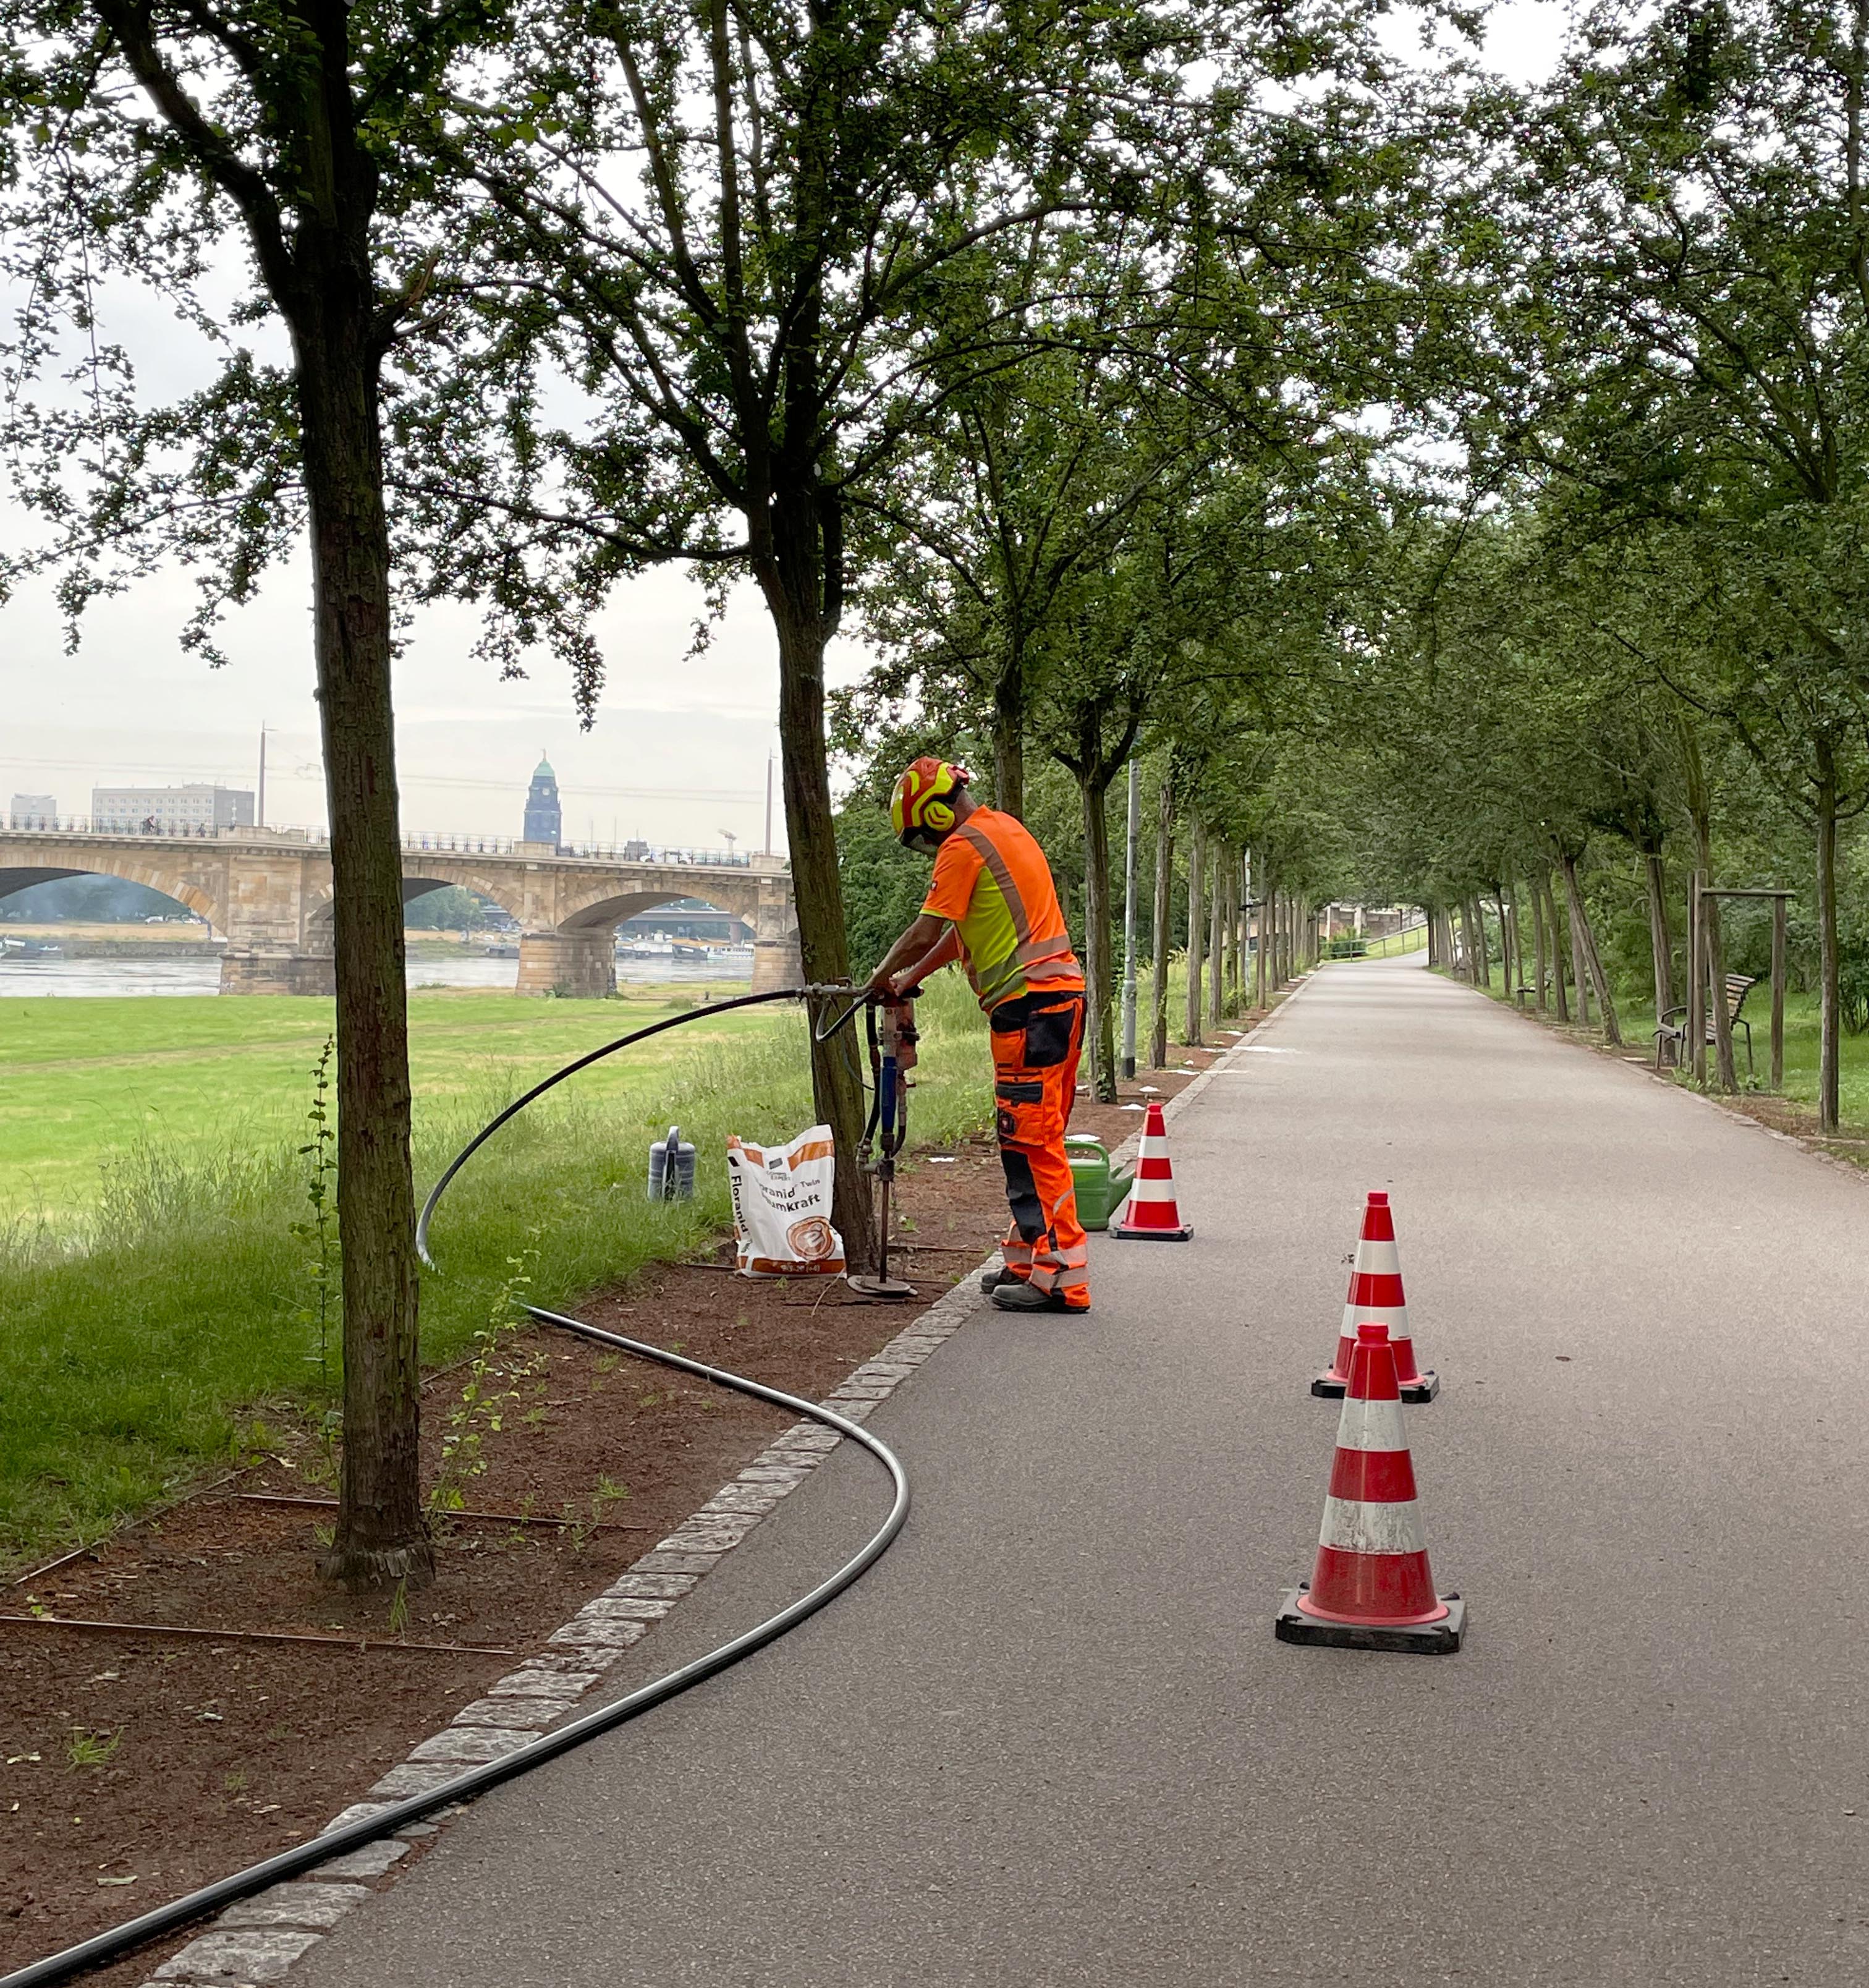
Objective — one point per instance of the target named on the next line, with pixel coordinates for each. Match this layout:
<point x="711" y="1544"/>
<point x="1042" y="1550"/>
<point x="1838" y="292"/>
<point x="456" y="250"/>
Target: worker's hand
<point x="879" y="986"/>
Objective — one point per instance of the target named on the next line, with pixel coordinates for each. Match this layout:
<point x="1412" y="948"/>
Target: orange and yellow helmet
<point x="920" y="810"/>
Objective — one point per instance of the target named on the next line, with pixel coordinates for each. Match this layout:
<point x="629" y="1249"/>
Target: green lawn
<point x="84" y="1084"/>
<point x="152" y="1295"/>
<point x="1414" y="939"/>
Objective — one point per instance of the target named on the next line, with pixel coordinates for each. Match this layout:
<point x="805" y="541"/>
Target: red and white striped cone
<point x="1376" y="1294"/>
<point x="1371" y="1588"/>
<point x="1150" y="1214"/>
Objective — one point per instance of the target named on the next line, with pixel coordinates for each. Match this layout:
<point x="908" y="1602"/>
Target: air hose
<point x="476" y="1780"/>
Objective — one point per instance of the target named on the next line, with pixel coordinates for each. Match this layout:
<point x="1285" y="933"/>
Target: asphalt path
<point x="1051" y="1739"/>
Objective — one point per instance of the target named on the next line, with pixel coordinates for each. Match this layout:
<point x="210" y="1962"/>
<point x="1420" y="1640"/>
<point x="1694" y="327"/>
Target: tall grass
<point x="139" y="1342"/>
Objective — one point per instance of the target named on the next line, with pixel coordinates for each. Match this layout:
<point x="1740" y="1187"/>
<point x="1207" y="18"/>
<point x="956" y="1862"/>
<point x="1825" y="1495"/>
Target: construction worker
<point x="991" y="905"/>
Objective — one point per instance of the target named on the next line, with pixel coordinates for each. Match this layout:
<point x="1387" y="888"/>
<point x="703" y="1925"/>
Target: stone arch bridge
<point x="268" y="893"/>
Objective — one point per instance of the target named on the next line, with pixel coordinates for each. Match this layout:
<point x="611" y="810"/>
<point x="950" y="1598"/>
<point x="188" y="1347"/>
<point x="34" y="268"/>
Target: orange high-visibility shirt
<point x="991" y="882"/>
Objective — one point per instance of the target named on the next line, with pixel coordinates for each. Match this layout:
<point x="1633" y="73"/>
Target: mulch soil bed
<point x="139" y="1765"/>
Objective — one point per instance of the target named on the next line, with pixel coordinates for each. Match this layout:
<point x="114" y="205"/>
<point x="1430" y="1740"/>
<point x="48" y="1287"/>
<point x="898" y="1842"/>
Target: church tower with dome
<point x="544" y="818"/>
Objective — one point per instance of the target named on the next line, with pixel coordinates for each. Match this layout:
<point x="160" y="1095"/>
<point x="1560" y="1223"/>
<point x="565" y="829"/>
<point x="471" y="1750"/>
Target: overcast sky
<point x="678" y="754"/>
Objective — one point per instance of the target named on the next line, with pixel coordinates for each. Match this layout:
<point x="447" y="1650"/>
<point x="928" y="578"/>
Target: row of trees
<point x="1422" y="476"/>
<point x="508" y="299"/>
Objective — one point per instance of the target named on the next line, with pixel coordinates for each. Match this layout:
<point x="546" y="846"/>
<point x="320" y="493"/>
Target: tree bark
<point x="1258" y="937"/>
<point x="1713" y="954"/>
<point x="1197" y="850"/>
<point x="1661" y="945"/>
<point x="837" y="1077"/>
<point x="1508" y="943"/>
<point x="1830" y="1008"/>
<point x="1100" y="979"/>
<point x="1482" y="966"/>
<point x="1584" y="942"/>
<point x="1216" y="934"/>
<point x="1538" y="944"/>
<point x="1009" y="740"/>
<point x="381" y="1537"/>
<point x="1229" y="936"/>
<point x="1163" y="929"/>
<point x="1579" y="970"/>
<point x="1560" y="963"/>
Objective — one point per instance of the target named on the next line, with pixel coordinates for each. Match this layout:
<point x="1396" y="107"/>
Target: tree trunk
<point x="1197" y="850"/>
<point x="837" y="1076"/>
<point x="1216" y="934"/>
<point x="1482" y="966"/>
<point x="1579" y="969"/>
<point x="1713" y="954"/>
<point x="1829" y="1006"/>
<point x="1162" y="931"/>
<point x="1538" y="944"/>
<point x="1508" y="943"/>
<point x="1100" y="978"/>
<point x="1584" y="942"/>
<point x="1560" y="963"/>
<point x="1258" y="938"/>
<point x="1229" y="975"/>
<point x="1661" y="945"/>
<point x="1724" y="1067"/>
<point x="1009" y="739"/>
<point x="381" y="1537"/>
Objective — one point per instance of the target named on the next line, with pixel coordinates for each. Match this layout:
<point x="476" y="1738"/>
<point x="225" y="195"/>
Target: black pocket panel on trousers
<point x="1019" y="1094"/>
<point x="1048" y="1037"/>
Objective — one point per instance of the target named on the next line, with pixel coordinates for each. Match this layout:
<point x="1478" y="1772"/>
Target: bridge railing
<point x="414" y="842"/>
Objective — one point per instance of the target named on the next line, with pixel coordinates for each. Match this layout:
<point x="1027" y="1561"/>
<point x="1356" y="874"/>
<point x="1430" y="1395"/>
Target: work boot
<point x="1014" y="1294"/>
<point x="991" y="1280"/>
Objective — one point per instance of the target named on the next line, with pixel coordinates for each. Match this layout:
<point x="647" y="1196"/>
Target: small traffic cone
<point x="1371" y="1589"/>
<point x="1376" y="1293"/>
<point x="1150" y="1213"/>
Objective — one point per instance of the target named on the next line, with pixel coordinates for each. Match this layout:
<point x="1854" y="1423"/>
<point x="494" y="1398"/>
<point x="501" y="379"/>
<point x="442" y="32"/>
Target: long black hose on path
<point x="301" y="1858"/>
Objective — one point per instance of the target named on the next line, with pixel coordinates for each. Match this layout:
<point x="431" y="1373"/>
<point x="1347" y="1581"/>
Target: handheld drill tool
<point x="890" y="1023"/>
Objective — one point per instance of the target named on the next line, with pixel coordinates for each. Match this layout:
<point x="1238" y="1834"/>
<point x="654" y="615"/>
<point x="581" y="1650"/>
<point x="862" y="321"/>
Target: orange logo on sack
<point x="810" y="1239"/>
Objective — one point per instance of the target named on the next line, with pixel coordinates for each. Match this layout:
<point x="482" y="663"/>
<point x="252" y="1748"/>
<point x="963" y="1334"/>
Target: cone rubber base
<point x="1328" y="1387"/>
<point x="1423" y="1639"/>
<point x="1124" y="1233"/>
<point x="886" y="1290"/>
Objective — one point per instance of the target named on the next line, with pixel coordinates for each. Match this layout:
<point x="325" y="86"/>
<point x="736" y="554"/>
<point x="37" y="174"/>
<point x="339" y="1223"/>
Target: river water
<point x="203" y="976"/>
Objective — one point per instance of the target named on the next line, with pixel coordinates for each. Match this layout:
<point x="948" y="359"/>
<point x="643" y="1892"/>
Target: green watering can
<point x="1100" y="1191"/>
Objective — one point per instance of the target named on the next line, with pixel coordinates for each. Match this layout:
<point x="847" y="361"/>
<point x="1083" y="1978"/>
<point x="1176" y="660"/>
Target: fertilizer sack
<point x="782" y="1207"/>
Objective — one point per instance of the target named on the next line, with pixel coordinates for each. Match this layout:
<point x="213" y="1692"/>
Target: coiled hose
<point x="295" y="1862"/>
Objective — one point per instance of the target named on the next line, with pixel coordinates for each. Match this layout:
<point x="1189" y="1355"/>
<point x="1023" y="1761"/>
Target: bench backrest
<point x="1738" y="986"/>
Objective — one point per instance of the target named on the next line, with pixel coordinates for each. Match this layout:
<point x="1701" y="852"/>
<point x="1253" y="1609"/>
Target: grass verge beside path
<point x="150" y="1319"/>
<point x="1637" y="1021"/>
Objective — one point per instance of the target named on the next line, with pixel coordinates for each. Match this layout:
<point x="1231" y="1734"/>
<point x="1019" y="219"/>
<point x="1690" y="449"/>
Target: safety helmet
<point x="921" y="810"/>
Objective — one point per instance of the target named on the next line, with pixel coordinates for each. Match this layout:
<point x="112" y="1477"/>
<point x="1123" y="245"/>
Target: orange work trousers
<point x="1037" y="1040"/>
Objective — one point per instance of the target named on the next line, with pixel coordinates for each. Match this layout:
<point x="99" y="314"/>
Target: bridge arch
<point x="605" y="914"/>
<point x="423" y="870"/>
<point x="186" y="891"/>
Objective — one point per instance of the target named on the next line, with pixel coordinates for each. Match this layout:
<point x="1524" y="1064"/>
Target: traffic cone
<point x="1371" y="1589"/>
<point x="1150" y="1214"/>
<point x="1376" y="1293"/>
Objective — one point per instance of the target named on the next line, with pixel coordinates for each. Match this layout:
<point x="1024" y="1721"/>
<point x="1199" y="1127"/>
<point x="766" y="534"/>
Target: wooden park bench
<point x="1671" y="1036"/>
